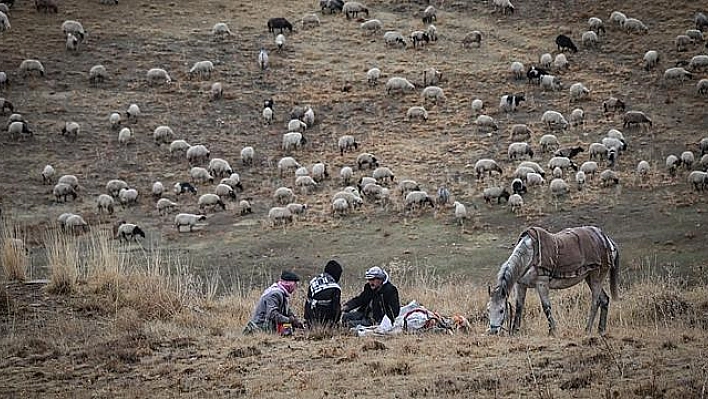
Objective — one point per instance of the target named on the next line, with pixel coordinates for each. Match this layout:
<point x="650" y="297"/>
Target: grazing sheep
<point x="263" y="60"/>
<point x="297" y="209"/>
<point x="580" y="179"/>
<point x="211" y="200"/>
<point x="63" y="190"/>
<point x="17" y="128"/>
<point x="569" y="152"/>
<point x="221" y="29"/>
<point x="309" y="118"/>
<point x="352" y="198"/>
<point x="682" y="42"/>
<point x="162" y="134"/>
<point x="347" y="174"/>
<point x="340" y="207"/>
<point x="608" y="177"/>
<point x="184" y="187"/>
<point x="293" y="141"/>
<point x="372" y="76"/>
<point x="534" y="179"/>
<point x="557" y="172"/>
<point x="517" y="69"/>
<point x="197" y="154"/>
<point x="47" y="174"/>
<point x="596" y="25"/>
<point x="635" y="118"/>
<point x="157" y="76"/>
<point x="133" y="112"/>
<point x="398" y="85"/>
<point x="187" y="219"/>
<point x="179" y="147"/>
<point x="280" y="42"/>
<point x="533" y="165"/>
<point x="245" y="207"/>
<point x="406" y="186"/>
<point x="429" y="15"/>
<point x="565" y="43"/>
<point x="287" y="163"/>
<point x="486" y="123"/>
<point x="296" y="125"/>
<point x="233" y="181"/>
<point x="590" y="168"/>
<point x="306" y="184"/>
<point x="703" y="145"/>
<point x="75" y="224"/>
<point x="559" y="188"/>
<point x="520" y="132"/>
<point x="157" y="189"/>
<point x="353" y="8"/>
<point x="509" y="103"/>
<point x="651" y="59"/>
<point x="71" y="180"/>
<point x="577" y="117"/>
<point x="418" y="199"/>
<point x="279" y="216"/>
<point x="114" y="186"/>
<point x="687" y="159"/>
<point x="618" y="18"/>
<point x="247" y="154"/>
<point x="416" y="112"/>
<point x="522" y="172"/>
<point x="590" y="39"/>
<point x="372" y="26"/>
<point x="537" y="74"/>
<point x="367" y="159"/>
<point x="698" y="179"/>
<point x="472" y="37"/>
<point x="128" y="196"/>
<point x="419" y="37"/>
<point x="516" y="202"/>
<point x="310" y="21"/>
<point x="497" y="193"/>
<point x="124" y="136"/>
<point x="702" y="87"/>
<point x="72" y="42"/>
<point x="634" y="25"/>
<point x="383" y="175"/>
<point x="217" y="91"/>
<point x="202" y="69"/>
<point x="319" y="171"/>
<point x="433" y="93"/>
<point x="219" y="167"/>
<point x="283" y="195"/>
<point x="614" y="144"/>
<point x="75" y="28"/>
<point x="267" y="115"/>
<point x="545" y="60"/>
<point x="347" y="142"/>
<point x="460" y="213"/>
<point x="70" y="128"/>
<point x="487" y="166"/>
<point x="200" y="175"/>
<point x="672" y="163"/>
<point x="105" y="202"/>
<point x="114" y="120"/>
<point x="598" y="151"/>
<point x="554" y="119"/>
<point x="698" y="62"/>
<point x="431" y="77"/>
<point x="578" y="91"/>
<point x="224" y="190"/>
<point x="519" y="150"/>
<point x="701" y="21"/>
<point x="279" y="23"/>
<point x="28" y="66"/>
<point x="504" y="6"/>
<point x="518" y="186"/>
<point x="677" y="74"/>
<point x="704" y="162"/>
<point x="563" y="163"/>
<point x="394" y="38"/>
<point x="551" y="83"/>
<point x="643" y="170"/>
<point x="561" y="62"/>
<point x="477" y="106"/>
<point x="128" y="231"/>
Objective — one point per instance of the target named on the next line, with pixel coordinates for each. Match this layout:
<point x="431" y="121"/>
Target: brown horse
<point x="544" y="261"/>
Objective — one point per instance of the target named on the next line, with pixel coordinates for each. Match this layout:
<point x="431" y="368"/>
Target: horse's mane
<point x="509" y="270"/>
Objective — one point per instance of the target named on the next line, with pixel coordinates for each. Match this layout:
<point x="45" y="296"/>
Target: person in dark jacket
<point x="323" y="302"/>
<point x="273" y="308"/>
<point x="379" y="298"/>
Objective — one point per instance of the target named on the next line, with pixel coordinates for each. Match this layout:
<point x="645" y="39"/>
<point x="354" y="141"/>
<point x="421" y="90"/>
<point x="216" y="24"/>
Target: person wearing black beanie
<point x="322" y="305"/>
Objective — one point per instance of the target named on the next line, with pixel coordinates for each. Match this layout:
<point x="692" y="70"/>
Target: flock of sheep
<point x="367" y="180"/>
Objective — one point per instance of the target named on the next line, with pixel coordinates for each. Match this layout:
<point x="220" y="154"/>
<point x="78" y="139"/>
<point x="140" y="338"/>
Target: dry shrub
<point x="63" y="259"/>
<point x="13" y="253"/>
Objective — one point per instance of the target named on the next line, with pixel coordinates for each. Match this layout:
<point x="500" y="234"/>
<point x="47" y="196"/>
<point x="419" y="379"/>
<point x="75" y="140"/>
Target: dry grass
<point x="13" y="255"/>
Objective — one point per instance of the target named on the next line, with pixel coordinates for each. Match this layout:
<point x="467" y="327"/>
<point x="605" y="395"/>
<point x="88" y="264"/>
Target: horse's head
<point x="497" y="309"/>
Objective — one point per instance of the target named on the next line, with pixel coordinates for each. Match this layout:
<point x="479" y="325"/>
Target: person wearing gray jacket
<point x="273" y="308"/>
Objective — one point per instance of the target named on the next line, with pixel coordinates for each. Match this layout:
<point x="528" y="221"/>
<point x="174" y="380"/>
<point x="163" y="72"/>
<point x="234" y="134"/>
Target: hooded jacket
<point x="272" y="308"/>
<point x="379" y="303"/>
<point x="322" y="305"/>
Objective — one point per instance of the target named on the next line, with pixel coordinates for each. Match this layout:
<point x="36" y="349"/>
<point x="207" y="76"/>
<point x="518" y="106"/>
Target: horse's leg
<point x="543" y="294"/>
<point x="520" y="300"/>
<point x="604" y="306"/>
<point x="595" y="291"/>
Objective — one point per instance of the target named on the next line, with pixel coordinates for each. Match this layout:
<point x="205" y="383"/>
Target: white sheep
<point x="698" y="62"/>
<point x="486" y="166"/>
<point x="460" y="212"/>
<point x="4" y="22"/>
<point x="233" y="181"/>
<point x="533" y="165"/>
<point x="702" y="86"/>
<point x="71" y="180"/>
<point x="383" y="175"/>
<point x="114" y="120"/>
<point x="596" y="25"/>
<point x="63" y="190"/>
<point x="340" y="207"/>
<point x="634" y="25"/>
<point x="28" y="66"/>
<point x="319" y="171"/>
<point x="72" y="42"/>
<point x="672" y="162"/>
<point x="678" y="74"/>
<point x="47" y="174"/>
<point x="310" y="20"/>
<point x="157" y="189"/>
<point x="519" y="150"/>
<point x="394" y="38"/>
<point x="61" y="220"/>
<point x="522" y="172"/>
<point x="283" y="195"/>
<point x="520" y="132"/>
<point x="124" y="136"/>
<point x="280" y="41"/>
<point x="200" y="175"/>
<point x="197" y="153"/>
<point x="554" y="119"/>
<point x="516" y="202"/>
<point x="352" y="197"/>
<point x="128" y="196"/>
<point x="279" y="216"/>
<point x="578" y="91"/>
<point x="219" y="167"/>
<point x="398" y="85"/>
<point x="416" y="112"/>
<point x="202" y="69"/>
<point x="559" y="188"/>
<point x="105" y="203"/>
<point x="179" y="147"/>
<point x="133" y="112"/>
<point x="287" y="163"/>
<point x="618" y="18"/>
<point x="163" y="134"/>
<point x="534" y="179"/>
<point x="643" y="170"/>
<point x="210" y="200"/>
<point x="217" y="91"/>
<point x="267" y="115"/>
<point x="128" y="231"/>
<point x="577" y="117"/>
<point x="517" y="70"/>
<point x="306" y="184"/>
<point x="75" y="28"/>
<point x="477" y="106"/>
<point x="551" y="82"/>
<point x="590" y="168"/>
<point x="695" y="34"/>
<point x="76" y="224"/>
<point x="158" y="75"/>
<point x="561" y="162"/>
<point x="418" y="199"/>
<point x="346" y="143"/>
<point x="472" y="37"/>
<point x="309" y="117"/>
<point x="347" y="174"/>
<point x="297" y="209"/>
<point x="545" y="60"/>
<point x="504" y="6"/>
<point x="557" y="172"/>
<point x="221" y="29"/>
<point x="682" y="42"/>
<point x="651" y="59"/>
<point x="486" y="123"/>
<point x="224" y="190"/>
<point x="263" y="60"/>
<point x="368" y="159"/>
<point x="187" y="219"/>
<point x="114" y="186"/>
<point x="296" y="125"/>
<point x="698" y="179"/>
<point x="371" y="26"/>
<point x="609" y="177"/>
<point x="590" y="39"/>
<point x="687" y="159"/>
<point x="244" y="207"/>
<point x="580" y="179"/>
<point x="561" y="62"/>
<point x="635" y="118"/>
<point x="70" y="128"/>
<point x="247" y="154"/>
<point x="598" y="151"/>
<point x="372" y="76"/>
<point x="293" y="141"/>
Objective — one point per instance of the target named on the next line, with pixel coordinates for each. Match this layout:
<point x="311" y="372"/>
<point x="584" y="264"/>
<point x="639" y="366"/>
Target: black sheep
<point x="186" y="187"/>
<point x="535" y="73"/>
<point x="564" y="42"/>
<point x="279" y="23"/>
<point x="569" y="152"/>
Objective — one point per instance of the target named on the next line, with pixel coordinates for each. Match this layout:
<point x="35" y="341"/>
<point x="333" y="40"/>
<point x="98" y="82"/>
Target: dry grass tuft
<point x="63" y="258"/>
<point x="13" y="254"/>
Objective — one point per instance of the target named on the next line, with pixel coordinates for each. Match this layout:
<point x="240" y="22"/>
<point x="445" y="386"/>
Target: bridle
<point x="508" y="317"/>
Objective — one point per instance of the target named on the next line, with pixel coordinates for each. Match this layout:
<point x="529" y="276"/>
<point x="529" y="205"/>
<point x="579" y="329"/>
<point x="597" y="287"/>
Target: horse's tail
<point x="614" y="270"/>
